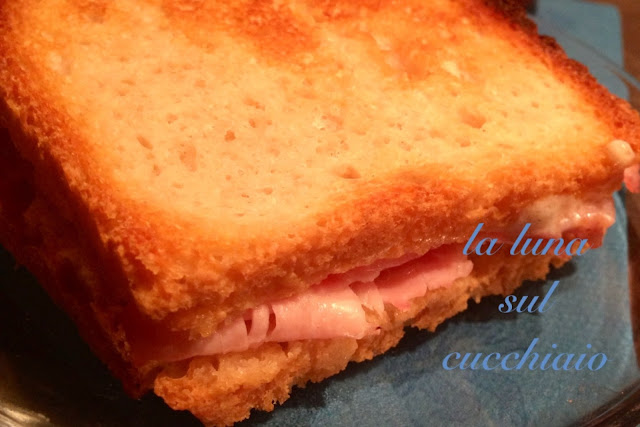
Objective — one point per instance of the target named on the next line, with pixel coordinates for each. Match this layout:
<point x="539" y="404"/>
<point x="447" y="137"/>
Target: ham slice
<point x="369" y="295"/>
<point x="334" y="307"/>
<point x="399" y="285"/>
<point x="322" y="312"/>
<point x="231" y="338"/>
<point x="259" y="325"/>
<point x="367" y="273"/>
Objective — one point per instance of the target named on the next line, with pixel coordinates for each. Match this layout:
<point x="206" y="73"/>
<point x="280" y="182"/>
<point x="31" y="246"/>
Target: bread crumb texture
<point x="230" y="152"/>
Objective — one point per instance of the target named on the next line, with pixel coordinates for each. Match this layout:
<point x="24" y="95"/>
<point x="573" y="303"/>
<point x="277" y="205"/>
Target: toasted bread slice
<point x="206" y="158"/>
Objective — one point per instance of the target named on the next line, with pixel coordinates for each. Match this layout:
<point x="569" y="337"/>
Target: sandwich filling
<point x="337" y="306"/>
<point x="352" y="304"/>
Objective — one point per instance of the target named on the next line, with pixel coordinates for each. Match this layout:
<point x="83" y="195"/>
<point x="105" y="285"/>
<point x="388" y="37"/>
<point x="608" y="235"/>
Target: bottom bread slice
<point x="223" y="389"/>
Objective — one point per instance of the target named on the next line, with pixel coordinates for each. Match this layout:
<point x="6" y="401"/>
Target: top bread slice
<point x="216" y="155"/>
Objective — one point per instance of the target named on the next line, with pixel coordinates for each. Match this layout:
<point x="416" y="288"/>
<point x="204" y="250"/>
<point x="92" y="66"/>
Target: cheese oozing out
<point x="553" y="216"/>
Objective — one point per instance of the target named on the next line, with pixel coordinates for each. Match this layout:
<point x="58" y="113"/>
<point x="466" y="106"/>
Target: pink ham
<point x="232" y="337"/>
<point x="369" y="295"/>
<point x="259" y="325"/>
<point x="367" y="273"/>
<point x="333" y="308"/>
<point x="322" y="312"/>
<point x="439" y="268"/>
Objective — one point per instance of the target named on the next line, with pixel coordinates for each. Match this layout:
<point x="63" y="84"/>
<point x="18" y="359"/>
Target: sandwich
<point x="233" y="199"/>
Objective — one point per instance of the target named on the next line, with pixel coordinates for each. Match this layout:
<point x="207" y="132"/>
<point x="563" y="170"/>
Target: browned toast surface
<point x="188" y="160"/>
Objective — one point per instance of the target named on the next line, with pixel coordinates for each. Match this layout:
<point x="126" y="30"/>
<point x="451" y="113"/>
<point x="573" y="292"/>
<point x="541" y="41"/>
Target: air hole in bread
<point x="360" y="130"/>
<point x="171" y="118"/>
<point x="156" y="170"/>
<point x="200" y="84"/>
<point x="188" y="156"/>
<point x="144" y="142"/>
<point x="253" y="103"/>
<point x="267" y="190"/>
<point x="229" y="136"/>
<point x="534" y="104"/>
<point x="275" y="152"/>
<point x="247" y="324"/>
<point x="472" y="118"/>
<point x="321" y="223"/>
<point x="463" y="142"/>
<point x="405" y="145"/>
<point x="347" y="172"/>
<point x="436" y="133"/>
